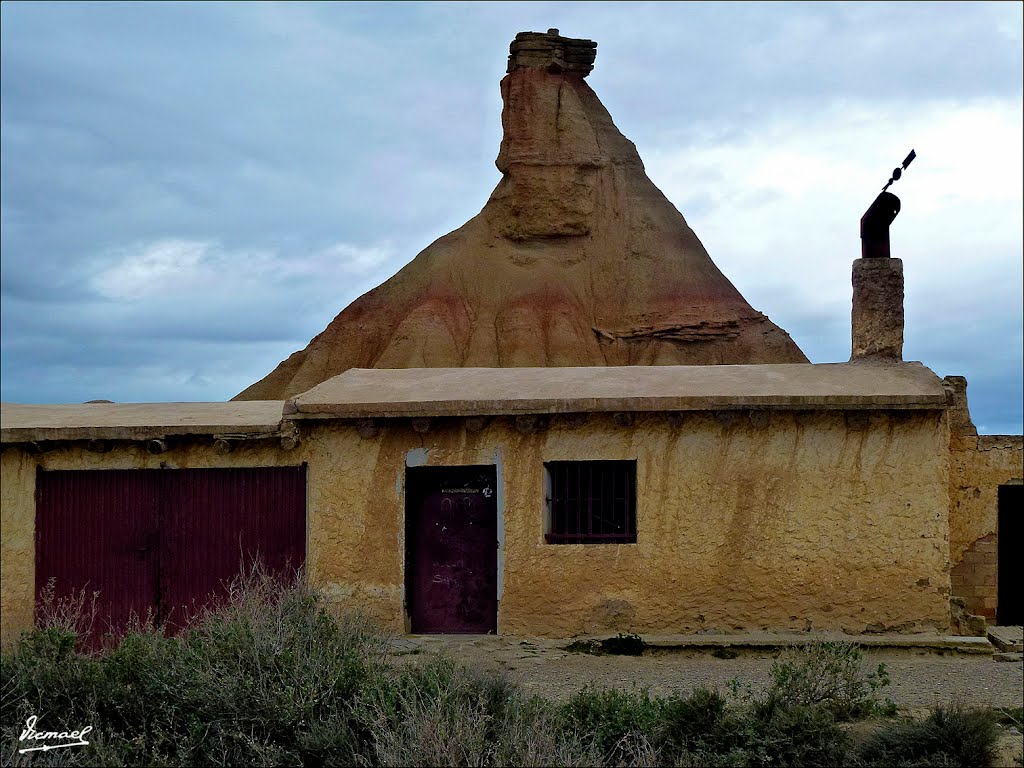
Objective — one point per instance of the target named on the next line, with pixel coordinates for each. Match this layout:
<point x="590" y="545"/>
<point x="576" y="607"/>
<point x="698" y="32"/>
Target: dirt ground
<point x="919" y="679"/>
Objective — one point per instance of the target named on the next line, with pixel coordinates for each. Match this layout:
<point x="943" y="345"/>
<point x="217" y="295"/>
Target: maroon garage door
<point x="452" y="549"/>
<point x="159" y="542"/>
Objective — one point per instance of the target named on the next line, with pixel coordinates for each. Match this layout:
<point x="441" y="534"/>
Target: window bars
<point x="591" y="502"/>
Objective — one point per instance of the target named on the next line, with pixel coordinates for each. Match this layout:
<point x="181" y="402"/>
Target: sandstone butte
<point x="577" y="259"/>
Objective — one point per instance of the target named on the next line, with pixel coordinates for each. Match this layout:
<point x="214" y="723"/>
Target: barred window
<point x="590" y="502"/>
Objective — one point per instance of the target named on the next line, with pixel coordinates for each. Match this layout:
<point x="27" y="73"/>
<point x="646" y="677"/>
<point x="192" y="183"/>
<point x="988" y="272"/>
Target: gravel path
<point x="541" y="666"/>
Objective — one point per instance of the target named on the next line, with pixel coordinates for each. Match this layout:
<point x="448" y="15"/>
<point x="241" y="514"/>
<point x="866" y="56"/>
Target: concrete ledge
<point x="136" y="421"/>
<point x="751" y="641"/>
<point x="974" y="645"/>
<point x="412" y="392"/>
<point x="1009" y="639"/>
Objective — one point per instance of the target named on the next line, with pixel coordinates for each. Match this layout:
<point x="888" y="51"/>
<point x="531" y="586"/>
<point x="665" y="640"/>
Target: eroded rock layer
<point x="576" y="259"/>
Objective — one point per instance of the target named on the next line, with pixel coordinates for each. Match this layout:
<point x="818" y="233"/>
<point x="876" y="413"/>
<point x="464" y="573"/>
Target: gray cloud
<point x="307" y="151"/>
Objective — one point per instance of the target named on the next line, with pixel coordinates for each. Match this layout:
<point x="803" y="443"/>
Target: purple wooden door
<point x="452" y="549"/>
<point x="161" y="542"/>
<point x="99" y="532"/>
<point x="218" y="522"/>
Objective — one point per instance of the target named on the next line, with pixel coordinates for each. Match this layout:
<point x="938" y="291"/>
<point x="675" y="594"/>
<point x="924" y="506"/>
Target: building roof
<point x="424" y="392"/>
<point x="136" y="421"/>
<point x="412" y="392"/>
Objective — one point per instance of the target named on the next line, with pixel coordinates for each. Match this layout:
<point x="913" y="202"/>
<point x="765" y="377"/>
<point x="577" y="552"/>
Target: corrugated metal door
<point x="99" y="531"/>
<point x="218" y="522"/>
<point x="160" y="542"/>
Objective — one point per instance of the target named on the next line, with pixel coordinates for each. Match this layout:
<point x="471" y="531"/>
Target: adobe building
<point x="559" y="419"/>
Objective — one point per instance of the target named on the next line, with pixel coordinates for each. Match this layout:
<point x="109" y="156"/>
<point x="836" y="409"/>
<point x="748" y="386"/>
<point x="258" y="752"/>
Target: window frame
<point x="592" y="510"/>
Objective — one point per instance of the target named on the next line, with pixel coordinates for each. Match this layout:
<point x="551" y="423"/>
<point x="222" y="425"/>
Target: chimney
<point x="877" y="317"/>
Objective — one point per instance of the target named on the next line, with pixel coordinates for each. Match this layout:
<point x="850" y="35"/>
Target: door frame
<point x="410" y="498"/>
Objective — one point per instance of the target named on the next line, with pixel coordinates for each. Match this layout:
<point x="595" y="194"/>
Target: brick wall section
<point x="976" y="578"/>
<point x="979" y="464"/>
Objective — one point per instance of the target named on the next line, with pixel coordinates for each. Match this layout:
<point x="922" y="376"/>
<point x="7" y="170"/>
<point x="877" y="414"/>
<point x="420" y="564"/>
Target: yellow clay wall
<point x="779" y="520"/>
<point x="979" y="465"/>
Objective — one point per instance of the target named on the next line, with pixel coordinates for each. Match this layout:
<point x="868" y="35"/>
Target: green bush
<point x="266" y="678"/>
<point x="698" y="722"/>
<point x="781" y="733"/>
<point x="45" y="676"/>
<point x="444" y="714"/>
<point x="270" y="677"/>
<point x="703" y="730"/>
<point x="613" y="722"/>
<point x="583" y="646"/>
<point x="268" y="664"/>
<point x="829" y="674"/>
<point x="951" y="736"/>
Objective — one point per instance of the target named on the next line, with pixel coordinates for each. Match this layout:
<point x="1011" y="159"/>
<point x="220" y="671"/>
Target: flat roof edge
<point x="412" y="409"/>
<point x="12" y="435"/>
<point x="56" y="422"/>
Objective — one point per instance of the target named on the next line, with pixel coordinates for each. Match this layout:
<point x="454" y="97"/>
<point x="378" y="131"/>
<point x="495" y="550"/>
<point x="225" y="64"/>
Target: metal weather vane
<point x="874" y="224"/>
<point x="898" y="172"/>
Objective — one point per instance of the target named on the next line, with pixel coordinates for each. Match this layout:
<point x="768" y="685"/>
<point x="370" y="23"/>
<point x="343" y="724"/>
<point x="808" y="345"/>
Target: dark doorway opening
<point x="1009" y="607"/>
<point x="451" y="544"/>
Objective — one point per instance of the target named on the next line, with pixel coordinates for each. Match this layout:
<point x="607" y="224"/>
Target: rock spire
<point x="576" y="259"/>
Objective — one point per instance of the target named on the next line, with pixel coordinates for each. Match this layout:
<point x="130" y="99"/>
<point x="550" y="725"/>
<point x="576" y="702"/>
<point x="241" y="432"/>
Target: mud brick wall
<point x="976" y="577"/>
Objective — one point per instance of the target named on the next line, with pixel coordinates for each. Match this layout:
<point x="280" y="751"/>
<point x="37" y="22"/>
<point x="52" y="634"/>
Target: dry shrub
<point x="829" y="674"/>
<point x="269" y="676"/>
<point x="949" y="736"/>
<point x="75" y="613"/>
<point x="265" y="676"/>
<point x="444" y="714"/>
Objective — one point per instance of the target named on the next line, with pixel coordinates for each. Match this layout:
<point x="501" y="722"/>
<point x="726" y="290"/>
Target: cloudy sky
<point x="191" y="192"/>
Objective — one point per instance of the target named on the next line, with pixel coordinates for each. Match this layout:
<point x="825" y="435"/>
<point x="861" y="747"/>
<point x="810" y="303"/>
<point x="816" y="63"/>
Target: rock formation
<point x="577" y="259"/>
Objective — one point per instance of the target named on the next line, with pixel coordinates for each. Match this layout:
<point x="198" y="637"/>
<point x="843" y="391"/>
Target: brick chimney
<point x="877" y="317"/>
